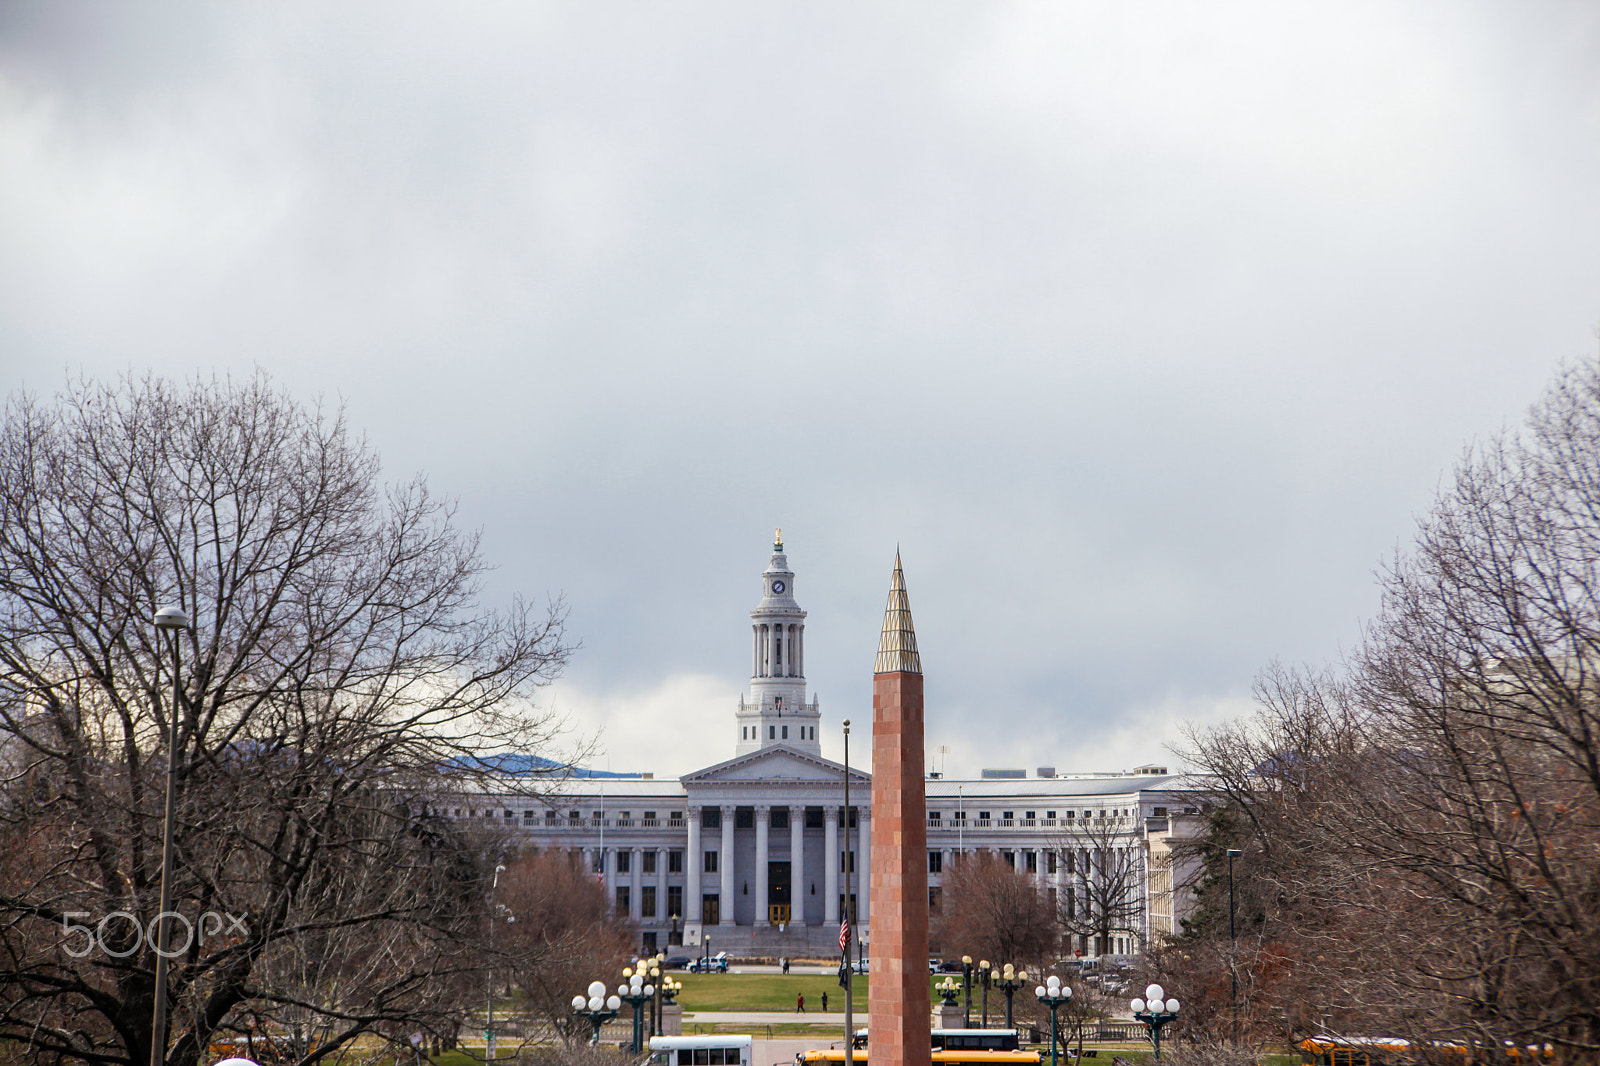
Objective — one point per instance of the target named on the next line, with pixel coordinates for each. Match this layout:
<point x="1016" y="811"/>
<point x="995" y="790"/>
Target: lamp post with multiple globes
<point x="985" y="978"/>
<point x="596" y="1008"/>
<point x="1155" y="1012"/>
<point x="1010" y="981"/>
<point x="635" y="993"/>
<point x="966" y="993"/>
<point x="1054" y="995"/>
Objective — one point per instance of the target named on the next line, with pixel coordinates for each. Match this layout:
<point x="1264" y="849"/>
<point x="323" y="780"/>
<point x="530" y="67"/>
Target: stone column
<point x="692" y="861"/>
<point x="898" y="997"/>
<point x="635" y="903"/>
<point x="797" y="866"/>
<point x="763" y="826"/>
<point x="830" y="864"/>
<point x="662" y="910"/>
<point x="725" y="864"/>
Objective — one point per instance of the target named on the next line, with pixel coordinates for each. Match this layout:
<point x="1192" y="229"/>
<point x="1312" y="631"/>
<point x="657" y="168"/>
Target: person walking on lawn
<point x="824" y="1002"/>
<point x="800" y="1003"/>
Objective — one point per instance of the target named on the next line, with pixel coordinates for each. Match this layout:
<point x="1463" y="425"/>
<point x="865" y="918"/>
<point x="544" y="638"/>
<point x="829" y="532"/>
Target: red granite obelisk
<point x="897" y="1006"/>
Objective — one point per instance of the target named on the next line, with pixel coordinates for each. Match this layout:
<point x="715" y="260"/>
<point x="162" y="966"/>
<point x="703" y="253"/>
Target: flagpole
<point x="846" y="928"/>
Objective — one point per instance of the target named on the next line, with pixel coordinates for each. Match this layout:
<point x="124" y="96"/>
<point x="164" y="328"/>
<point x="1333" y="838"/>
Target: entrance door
<point x="778" y="894"/>
<point x="711" y="909"/>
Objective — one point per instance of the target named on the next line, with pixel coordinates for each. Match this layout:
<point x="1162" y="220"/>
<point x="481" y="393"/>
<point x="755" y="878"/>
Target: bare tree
<point x="1420" y="831"/>
<point x="1104" y="894"/>
<point x="560" y="931"/>
<point x="337" y="664"/>
<point x="989" y="909"/>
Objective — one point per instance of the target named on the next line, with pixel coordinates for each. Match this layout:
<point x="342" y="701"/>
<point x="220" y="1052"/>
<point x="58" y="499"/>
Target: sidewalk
<point x="770" y="1017"/>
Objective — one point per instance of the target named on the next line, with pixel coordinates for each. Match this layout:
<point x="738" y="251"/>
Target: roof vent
<point x="1046" y="771"/>
<point x="993" y="774"/>
<point x="1150" y="769"/>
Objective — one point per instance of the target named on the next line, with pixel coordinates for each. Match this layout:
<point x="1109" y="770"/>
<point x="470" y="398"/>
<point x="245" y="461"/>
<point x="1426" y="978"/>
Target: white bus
<point x="701" y="1050"/>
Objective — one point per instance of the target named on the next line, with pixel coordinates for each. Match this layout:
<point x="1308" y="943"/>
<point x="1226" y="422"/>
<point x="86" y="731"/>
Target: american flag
<point x="844" y="934"/>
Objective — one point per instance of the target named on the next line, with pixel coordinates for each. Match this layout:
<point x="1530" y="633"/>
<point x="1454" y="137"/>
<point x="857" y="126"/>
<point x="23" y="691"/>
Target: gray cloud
<point x="1144" y="332"/>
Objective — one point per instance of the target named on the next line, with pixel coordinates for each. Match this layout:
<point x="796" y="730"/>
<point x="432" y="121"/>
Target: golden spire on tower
<point x="897" y="646"/>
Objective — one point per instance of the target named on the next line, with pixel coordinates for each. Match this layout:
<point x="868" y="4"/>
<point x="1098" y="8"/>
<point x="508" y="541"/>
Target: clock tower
<point x="776" y="711"/>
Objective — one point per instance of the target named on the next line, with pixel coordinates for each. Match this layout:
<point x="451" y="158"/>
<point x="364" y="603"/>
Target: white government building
<point x="750" y="854"/>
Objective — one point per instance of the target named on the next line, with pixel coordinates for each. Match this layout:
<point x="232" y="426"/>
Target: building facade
<point x="762" y="854"/>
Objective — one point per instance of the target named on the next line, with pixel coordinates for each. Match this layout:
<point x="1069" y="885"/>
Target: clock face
<point x="778" y="587"/>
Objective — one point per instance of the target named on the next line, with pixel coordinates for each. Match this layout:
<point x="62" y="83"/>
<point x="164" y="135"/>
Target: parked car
<point x="950" y="966"/>
<point x="717" y="963"/>
<point x="676" y="962"/>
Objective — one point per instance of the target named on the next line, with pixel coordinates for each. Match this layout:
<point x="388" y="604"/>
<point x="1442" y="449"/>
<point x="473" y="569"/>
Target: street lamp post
<point x="596" y="1008"/>
<point x="1010" y="981"/>
<point x="488" y="1028"/>
<point x="635" y="993"/>
<point x="673" y="937"/>
<point x="985" y="977"/>
<point x="1233" y="955"/>
<point x="1054" y="995"/>
<point x="172" y="619"/>
<point x="1155" y="1012"/>
<point x="653" y="966"/>
<point x="947" y="990"/>
<point x="966" y="991"/>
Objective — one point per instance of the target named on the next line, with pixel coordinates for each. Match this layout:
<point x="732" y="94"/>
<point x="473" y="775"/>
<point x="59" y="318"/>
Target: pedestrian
<point x="824" y="1002"/>
<point x="785" y="962"/>
<point x="800" y="1003"/>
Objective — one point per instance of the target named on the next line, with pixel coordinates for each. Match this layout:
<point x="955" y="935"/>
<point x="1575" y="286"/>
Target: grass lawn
<point x="766" y="991"/>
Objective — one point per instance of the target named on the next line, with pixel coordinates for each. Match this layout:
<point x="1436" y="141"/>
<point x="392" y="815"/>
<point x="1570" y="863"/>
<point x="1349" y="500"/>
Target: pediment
<point x="772" y="764"/>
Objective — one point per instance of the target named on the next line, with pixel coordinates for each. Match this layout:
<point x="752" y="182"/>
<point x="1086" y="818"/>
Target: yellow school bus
<point x="943" y="1057"/>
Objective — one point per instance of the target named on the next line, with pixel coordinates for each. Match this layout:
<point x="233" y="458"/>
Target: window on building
<point x="710" y="866"/>
<point x="647" y="901"/>
<point x="1052" y="894"/>
<point x="959" y="816"/>
<point x="599" y="862"/>
<point x="851" y="857"/>
<point x="936" y="862"/>
<point x="674" y="861"/>
<point x="785" y="732"/>
<point x="1030" y="861"/>
<point x="772" y="732"/>
<point x="934" y="892"/>
<point x="623" y="899"/>
<point x="649" y="817"/>
<point x="780" y="817"/>
<point x="624" y="862"/>
<point x="813" y="817"/>
<point x="649" y="861"/>
<point x="1028" y="815"/>
<point x="1158" y="812"/>
<point x="1009" y="858"/>
<point x="1006" y="817"/>
<point x="528" y="816"/>
<point x="851" y="817"/>
<point x="1072" y="902"/>
<point x="1049" y="816"/>
<point x="744" y="818"/>
<point x="933" y="817"/>
<point x="983" y="816"/>
<point x="711" y="817"/>
<point x="1050" y="862"/>
<point x="574" y="816"/>
<point x="674" y="900"/>
<point x="1069" y="814"/>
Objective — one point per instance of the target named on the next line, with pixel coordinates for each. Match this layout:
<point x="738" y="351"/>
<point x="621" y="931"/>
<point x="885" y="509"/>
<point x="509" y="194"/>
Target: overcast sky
<point x="1145" y="330"/>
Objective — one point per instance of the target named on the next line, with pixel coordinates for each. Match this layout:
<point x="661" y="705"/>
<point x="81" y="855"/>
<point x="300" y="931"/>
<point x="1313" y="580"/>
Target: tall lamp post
<point x="966" y="990"/>
<point x="985" y="978"/>
<point x="171" y="619"/>
<point x="1156" y="1013"/>
<point x="488" y="1028"/>
<point x="1054" y="995"/>
<point x="596" y="1008"/>
<point x="1233" y="951"/>
<point x="635" y="993"/>
<point x="1010" y="982"/>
